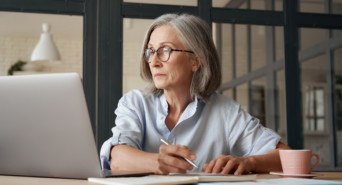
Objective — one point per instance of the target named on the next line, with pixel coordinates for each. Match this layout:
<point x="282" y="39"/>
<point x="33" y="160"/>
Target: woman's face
<point x="176" y="73"/>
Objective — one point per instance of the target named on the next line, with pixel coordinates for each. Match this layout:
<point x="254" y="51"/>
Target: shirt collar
<point x="189" y="111"/>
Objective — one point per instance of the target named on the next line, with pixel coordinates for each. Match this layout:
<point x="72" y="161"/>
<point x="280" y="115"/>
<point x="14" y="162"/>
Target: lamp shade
<point x="46" y="49"/>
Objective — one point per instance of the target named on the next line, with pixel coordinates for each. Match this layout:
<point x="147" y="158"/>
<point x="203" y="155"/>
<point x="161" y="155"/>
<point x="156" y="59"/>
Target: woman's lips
<point x="158" y="75"/>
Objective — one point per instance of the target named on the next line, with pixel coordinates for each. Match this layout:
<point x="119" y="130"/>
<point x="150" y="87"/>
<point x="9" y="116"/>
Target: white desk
<point x="17" y="180"/>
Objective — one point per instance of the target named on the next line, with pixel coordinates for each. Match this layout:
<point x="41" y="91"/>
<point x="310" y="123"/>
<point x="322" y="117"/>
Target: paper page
<point x="147" y="180"/>
<point x="211" y="177"/>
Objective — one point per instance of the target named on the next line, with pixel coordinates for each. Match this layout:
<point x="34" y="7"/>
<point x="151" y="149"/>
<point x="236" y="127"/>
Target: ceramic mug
<point x="297" y="161"/>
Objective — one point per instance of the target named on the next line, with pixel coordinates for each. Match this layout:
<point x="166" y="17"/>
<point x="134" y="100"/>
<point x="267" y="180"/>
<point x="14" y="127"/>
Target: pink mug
<point x="297" y="161"/>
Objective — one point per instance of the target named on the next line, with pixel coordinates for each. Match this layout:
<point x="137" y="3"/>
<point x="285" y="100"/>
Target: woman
<point x="181" y="64"/>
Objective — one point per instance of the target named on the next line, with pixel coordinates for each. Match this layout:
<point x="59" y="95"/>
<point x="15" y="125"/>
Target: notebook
<point x="45" y="128"/>
<point x="185" y="178"/>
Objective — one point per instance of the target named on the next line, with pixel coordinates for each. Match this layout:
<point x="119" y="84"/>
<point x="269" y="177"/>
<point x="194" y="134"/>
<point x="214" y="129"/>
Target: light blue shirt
<point x="209" y="129"/>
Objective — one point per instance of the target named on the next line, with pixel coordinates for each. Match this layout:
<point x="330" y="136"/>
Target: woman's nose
<point x="154" y="60"/>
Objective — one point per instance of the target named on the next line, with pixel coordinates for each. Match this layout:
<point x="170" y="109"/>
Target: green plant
<point x="16" y="67"/>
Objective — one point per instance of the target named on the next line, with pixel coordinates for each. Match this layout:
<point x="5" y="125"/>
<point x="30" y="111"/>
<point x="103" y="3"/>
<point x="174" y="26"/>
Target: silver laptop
<point x="45" y="128"/>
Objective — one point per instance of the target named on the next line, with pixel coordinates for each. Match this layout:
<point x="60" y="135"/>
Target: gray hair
<point x="196" y="36"/>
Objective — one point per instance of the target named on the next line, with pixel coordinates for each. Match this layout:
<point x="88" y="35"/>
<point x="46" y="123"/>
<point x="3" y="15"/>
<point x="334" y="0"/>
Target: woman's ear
<point x="196" y="64"/>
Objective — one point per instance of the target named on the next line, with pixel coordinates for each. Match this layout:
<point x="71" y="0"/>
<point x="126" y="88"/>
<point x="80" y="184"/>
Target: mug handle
<point x="317" y="161"/>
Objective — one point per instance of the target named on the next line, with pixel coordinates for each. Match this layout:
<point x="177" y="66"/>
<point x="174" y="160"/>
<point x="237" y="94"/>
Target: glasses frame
<point x="170" y="50"/>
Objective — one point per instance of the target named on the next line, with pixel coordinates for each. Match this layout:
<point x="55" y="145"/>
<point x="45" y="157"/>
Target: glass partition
<point x="280" y="106"/>
<point x="308" y="6"/>
<point x="241" y="49"/>
<point x="315" y="115"/>
<point x="242" y="96"/>
<point x="254" y="4"/>
<point x="337" y="6"/>
<point x="133" y="35"/>
<point x="258" y="99"/>
<point x="226" y="52"/>
<point x="258" y="42"/>
<point x="310" y="37"/>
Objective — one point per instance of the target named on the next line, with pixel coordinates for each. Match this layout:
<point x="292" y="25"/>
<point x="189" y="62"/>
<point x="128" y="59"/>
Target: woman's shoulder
<point x="217" y="98"/>
<point x="137" y="96"/>
<point x="222" y="102"/>
<point x="134" y="93"/>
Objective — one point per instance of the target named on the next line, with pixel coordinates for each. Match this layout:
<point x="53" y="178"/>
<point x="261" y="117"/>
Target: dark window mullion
<point x="293" y="100"/>
<point x="234" y="58"/>
<point x="249" y="62"/>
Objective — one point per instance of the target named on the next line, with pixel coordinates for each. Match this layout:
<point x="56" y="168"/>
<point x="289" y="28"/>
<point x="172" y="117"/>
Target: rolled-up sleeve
<point x="128" y="127"/>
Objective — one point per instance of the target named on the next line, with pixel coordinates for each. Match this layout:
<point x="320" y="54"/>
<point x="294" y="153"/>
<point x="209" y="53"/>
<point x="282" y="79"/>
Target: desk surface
<point x="16" y="180"/>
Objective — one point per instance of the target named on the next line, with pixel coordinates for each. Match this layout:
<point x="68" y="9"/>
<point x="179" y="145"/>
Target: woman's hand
<point x="170" y="159"/>
<point x="226" y="164"/>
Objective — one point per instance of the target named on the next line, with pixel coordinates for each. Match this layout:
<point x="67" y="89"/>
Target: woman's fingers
<point x="171" y="159"/>
<point x="226" y="164"/>
<point x="177" y="150"/>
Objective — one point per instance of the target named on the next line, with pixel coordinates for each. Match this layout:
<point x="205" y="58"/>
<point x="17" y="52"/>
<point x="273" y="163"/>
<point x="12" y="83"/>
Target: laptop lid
<point x="45" y="128"/>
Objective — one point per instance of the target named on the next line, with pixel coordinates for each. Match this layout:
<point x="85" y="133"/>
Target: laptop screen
<point x="45" y="128"/>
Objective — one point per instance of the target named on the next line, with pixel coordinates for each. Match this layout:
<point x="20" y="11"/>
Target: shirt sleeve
<point x="248" y="137"/>
<point x="128" y="127"/>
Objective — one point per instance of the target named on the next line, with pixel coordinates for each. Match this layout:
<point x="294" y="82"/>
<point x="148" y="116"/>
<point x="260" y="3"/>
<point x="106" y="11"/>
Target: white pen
<point x="187" y="160"/>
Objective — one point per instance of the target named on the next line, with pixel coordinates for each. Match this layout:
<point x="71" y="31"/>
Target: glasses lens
<point x="163" y="54"/>
<point x="147" y="54"/>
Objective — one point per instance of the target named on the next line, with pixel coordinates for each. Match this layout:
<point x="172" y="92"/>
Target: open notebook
<point x="191" y="177"/>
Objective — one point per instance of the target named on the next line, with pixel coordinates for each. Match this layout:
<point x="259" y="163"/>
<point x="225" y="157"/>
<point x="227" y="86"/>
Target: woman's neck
<point x="177" y="101"/>
<point x="177" y="104"/>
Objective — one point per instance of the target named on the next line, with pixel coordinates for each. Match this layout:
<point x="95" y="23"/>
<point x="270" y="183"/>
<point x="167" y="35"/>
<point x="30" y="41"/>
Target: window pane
<point x="316" y="132"/>
<point x="229" y="93"/>
<point x="338" y="100"/>
<point x="316" y="6"/>
<point x="220" y="3"/>
<point x="337" y="7"/>
<point x="241" y="49"/>
<point x="258" y="39"/>
<point x="255" y="4"/>
<point x="258" y="102"/>
<point x="133" y="36"/>
<point x="279" y="42"/>
<point x="242" y="96"/>
<point x="278" y="5"/>
<point x="226" y="51"/>
<point x="168" y="2"/>
<point x="18" y="40"/>
<point x="310" y="37"/>
<point x="320" y="103"/>
<point x="258" y="5"/>
<point x="280" y="113"/>
<point x="314" y="82"/>
<point x="337" y="33"/>
<point x="229" y="4"/>
<point x="243" y="6"/>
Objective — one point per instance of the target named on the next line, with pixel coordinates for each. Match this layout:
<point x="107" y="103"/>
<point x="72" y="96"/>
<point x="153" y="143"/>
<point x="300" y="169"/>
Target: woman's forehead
<point x="165" y="34"/>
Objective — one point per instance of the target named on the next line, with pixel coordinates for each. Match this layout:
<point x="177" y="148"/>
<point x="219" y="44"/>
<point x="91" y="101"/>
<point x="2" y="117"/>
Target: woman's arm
<point x="168" y="160"/>
<point x="238" y="165"/>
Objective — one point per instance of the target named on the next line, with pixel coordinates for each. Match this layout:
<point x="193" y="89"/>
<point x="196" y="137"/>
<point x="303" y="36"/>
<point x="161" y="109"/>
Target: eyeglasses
<point x="163" y="53"/>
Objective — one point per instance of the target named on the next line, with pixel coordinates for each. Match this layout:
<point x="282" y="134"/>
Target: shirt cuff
<point x="105" y="154"/>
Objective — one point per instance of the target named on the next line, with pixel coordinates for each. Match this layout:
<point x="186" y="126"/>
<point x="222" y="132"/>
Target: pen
<point x="187" y="160"/>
